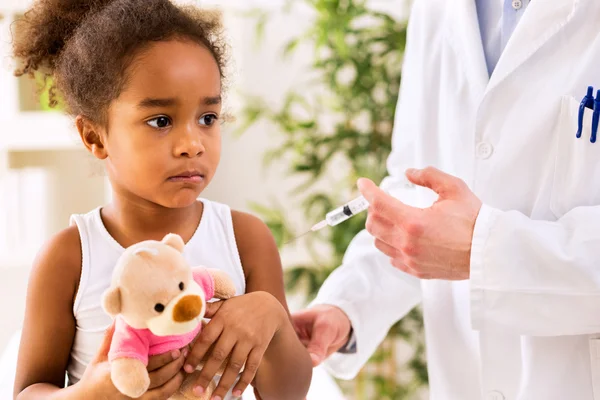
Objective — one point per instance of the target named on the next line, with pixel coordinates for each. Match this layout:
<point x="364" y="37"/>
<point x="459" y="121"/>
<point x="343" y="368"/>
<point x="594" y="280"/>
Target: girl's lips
<point x="187" y="178"/>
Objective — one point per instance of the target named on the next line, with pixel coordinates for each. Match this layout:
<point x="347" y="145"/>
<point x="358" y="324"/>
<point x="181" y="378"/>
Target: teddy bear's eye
<point x="159" y="307"/>
<point x="181" y="286"/>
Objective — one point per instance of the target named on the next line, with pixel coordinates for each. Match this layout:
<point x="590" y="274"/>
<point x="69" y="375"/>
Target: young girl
<point x="143" y="80"/>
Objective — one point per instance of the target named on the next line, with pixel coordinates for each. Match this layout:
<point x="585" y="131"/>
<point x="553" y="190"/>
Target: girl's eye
<point x="208" y="119"/>
<point x="159" y="122"/>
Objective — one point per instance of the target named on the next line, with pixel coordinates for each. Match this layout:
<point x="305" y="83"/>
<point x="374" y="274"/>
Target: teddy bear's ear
<point x="111" y="301"/>
<point x="146" y="252"/>
<point x="174" y="241"/>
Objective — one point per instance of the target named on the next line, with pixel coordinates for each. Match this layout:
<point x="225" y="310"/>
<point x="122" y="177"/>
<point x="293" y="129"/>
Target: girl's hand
<point x="241" y="329"/>
<point x="165" y="370"/>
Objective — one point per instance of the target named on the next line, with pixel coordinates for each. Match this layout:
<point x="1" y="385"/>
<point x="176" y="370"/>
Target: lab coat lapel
<point x="465" y="37"/>
<point x="540" y="22"/>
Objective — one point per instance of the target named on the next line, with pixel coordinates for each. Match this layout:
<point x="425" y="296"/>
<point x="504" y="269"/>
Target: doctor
<point x="502" y="248"/>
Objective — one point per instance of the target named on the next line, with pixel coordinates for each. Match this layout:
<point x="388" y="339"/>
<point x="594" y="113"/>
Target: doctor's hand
<point x="430" y="243"/>
<point x="323" y="329"/>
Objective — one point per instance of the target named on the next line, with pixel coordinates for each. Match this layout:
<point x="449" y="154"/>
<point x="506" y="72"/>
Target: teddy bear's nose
<point x="187" y="308"/>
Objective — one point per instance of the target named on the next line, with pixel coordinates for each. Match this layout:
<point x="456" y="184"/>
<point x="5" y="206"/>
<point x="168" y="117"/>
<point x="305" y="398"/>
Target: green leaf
<point x="290" y="47"/>
<point x="260" y="27"/>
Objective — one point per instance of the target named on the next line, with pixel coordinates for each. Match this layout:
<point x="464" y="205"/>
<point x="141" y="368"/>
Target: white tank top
<point x="212" y="245"/>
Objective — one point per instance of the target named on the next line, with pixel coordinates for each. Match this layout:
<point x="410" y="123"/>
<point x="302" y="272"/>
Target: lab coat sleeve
<point x="536" y="278"/>
<point x="412" y="98"/>
<point x="373" y="294"/>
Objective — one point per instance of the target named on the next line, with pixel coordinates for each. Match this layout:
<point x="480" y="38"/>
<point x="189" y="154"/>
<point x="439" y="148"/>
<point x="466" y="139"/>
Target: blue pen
<point x="588" y="101"/>
<point x="595" y="117"/>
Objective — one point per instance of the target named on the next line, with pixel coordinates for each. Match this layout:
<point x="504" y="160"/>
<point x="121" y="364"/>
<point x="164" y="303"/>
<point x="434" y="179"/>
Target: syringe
<point x="339" y="215"/>
<point x="342" y="213"/>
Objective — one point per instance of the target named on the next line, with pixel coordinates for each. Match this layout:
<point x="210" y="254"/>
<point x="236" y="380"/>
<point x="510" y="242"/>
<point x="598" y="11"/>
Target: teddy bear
<point x="158" y="302"/>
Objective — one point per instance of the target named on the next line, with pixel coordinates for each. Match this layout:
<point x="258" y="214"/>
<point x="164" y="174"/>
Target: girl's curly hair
<point x="86" y="46"/>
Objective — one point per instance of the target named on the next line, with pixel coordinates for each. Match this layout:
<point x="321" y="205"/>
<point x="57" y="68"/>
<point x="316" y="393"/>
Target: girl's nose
<point x="189" y="144"/>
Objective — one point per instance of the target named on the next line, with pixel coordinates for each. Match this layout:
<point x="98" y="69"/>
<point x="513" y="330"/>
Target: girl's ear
<point x="91" y="137"/>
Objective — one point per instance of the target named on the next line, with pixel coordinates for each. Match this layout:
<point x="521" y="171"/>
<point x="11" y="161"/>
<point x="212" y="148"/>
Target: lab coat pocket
<point x="577" y="169"/>
<point x="595" y="365"/>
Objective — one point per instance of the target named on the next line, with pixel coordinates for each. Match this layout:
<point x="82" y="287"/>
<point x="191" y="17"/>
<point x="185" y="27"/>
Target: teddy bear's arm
<point x="128" y="358"/>
<point x="128" y="342"/>
<point x="224" y="287"/>
<point x="215" y="283"/>
<point x="130" y="376"/>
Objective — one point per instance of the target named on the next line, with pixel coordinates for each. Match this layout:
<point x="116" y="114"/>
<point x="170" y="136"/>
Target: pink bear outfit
<point x="134" y="343"/>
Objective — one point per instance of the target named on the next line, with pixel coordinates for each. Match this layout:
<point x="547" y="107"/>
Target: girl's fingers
<point x="252" y="364"/>
<point x="208" y="336"/>
<point x="163" y="375"/>
<point x="102" y="353"/>
<point x="160" y="360"/>
<point x="167" y="390"/>
<point x="234" y="366"/>
<point x="216" y="358"/>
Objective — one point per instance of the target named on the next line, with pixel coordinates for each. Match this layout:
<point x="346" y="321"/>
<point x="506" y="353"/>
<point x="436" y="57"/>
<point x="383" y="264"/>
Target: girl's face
<point x="164" y="140"/>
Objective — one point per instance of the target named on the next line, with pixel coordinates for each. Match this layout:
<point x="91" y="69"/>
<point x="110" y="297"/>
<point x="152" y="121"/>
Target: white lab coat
<point x="526" y="326"/>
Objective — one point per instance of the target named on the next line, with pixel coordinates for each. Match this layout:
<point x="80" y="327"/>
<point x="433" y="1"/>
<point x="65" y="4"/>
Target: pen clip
<point x="595" y="117"/>
<point x="586" y="102"/>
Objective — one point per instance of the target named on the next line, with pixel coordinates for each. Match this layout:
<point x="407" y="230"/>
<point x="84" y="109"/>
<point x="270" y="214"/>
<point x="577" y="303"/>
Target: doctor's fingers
<point x="383" y="229"/>
<point x="388" y="250"/>
<point x="440" y="182"/>
<point x="328" y="335"/>
<point x="379" y="201"/>
<point x="411" y="224"/>
<point x="303" y="322"/>
<point x="411" y="270"/>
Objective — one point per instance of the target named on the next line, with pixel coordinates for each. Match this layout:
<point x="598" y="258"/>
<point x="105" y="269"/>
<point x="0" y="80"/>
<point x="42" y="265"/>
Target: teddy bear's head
<point x="152" y="287"/>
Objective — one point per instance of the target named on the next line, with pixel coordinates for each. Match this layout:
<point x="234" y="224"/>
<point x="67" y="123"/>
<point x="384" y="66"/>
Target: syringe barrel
<point x="346" y="211"/>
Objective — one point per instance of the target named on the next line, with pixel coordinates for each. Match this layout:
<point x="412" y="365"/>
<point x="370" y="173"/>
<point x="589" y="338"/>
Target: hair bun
<point x="41" y="34"/>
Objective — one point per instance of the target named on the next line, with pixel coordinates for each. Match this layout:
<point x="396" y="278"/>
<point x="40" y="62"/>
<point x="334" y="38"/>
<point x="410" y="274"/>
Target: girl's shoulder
<point x="250" y="232"/>
<point x="58" y="263"/>
<point x="256" y="246"/>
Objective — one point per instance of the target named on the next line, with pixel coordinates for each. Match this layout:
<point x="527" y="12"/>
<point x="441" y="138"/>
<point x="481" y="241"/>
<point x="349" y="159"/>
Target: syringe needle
<point x="338" y="215"/>
<point x="315" y="227"/>
<point x="297" y="237"/>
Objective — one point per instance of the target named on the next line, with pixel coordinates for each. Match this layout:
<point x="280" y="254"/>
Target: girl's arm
<point x="253" y="330"/>
<point x="286" y="367"/>
<point x="49" y="325"/>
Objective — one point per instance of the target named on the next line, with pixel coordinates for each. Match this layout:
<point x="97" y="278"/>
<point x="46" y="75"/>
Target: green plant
<point x="358" y="65"/>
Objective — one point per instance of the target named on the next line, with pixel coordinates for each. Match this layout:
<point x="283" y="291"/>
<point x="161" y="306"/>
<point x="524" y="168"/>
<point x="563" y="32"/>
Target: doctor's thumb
<point x="316" y="355"/>
<point x="322" y="339"/>
<point x="317" y="348"/>
<point x="434" y="179"/>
